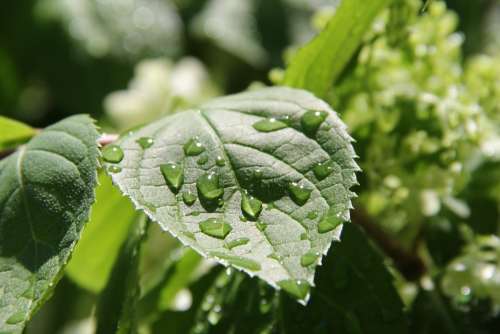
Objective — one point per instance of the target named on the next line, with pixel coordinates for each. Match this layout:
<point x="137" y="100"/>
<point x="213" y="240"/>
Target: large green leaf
<point x="300" y="165"/>
<point x="46" y="190"/>
<point x="355" y="293"/>
<point x="13" y="133"/>
<point x="109" y="223"/>
<point x="320" y="62"/>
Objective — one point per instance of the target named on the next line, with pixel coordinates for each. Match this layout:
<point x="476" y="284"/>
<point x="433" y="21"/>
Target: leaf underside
<point x="261" y="163"/>
<point x="46" y="190"/>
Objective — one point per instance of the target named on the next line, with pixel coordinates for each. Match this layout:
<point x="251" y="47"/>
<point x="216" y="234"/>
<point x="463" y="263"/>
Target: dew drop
<point x="311" y="120"/>
<point x="329" y="222"/>
<point x="112" y="153"/>
<point x="145" y="142"/>
<point x="219" y="161"/>
<point x="195" y="213"/>
<point x="202" y="160"/>
<point x="258" y="173"/>
<point x="303" y="236"/>
<point x="276" y="257"/>
<point x="208" y="186"/>
<point x="261" y="226"/>
<point x="173" y="175"/>
<point x="238" y="261"/>
<point x="322" y="170"/>
<point x="215" y="227"/>
<point x="15" y="318"/>
<point x="237" y="242"/>
<point x="250" y="206"/>
<point x="114" y="169"/>
<point x="189" y="198"/>
<point x="243" y="218"/>
<point x="308" y="258"/>
<point x="312" y="215"/>
<point x="269" y="125"/>
<point x="299" y="193"/>
<point x="193" y="147"/>
<point x="297" y="288"/>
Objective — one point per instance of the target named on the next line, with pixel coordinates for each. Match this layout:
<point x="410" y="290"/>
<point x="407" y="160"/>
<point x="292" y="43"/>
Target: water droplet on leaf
<point x="208" y="186"/>
<point x="303" y="236"/>
<point x="173" y="175"/>
<point x="329" y="222"/>
<point x="311" y="120"/>
<point x="193" y="147"/>
<point x="238" y="261"/>
<point x="215" y="227"/>
<point x="297" y="288"/>
<point x="269" y="125"/>
<point x="15" y="318"/>
<point x="145" y="142"/>
<point x="202" y="160"/>
<point x="299" y="193"/>
<point x="237" y="242"/>
<point x="251" y="206"/>
<point x="322" y="170"/>
<point x="258" y="173"/>
<point x="114" y="169"/>
<point x="112" y="153"/>
<point x="219" y="161"/>
<point x="261" y="226"/>
<point x="276" y="257"/>
<point x="308" y="258"/>
<point x="312" y="215"/>
<point x="189" y="198"/>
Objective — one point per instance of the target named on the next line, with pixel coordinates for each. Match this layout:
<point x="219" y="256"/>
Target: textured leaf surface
<point x="354" y="294"/>
<point x="13" y="132"/>
<point x="274" y="166"/>
<point x="46" y="190"/>
<point x="319" y="63"/>
<point x="94" y="255"/>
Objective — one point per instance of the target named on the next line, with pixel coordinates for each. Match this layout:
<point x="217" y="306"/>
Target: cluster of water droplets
<point x="210" y="190"/>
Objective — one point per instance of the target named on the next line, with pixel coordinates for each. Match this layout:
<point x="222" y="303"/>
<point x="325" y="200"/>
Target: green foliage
<point x="110" y="219"/>
<point x="319" y="63"/>
<point x="234" y="162"/>
<point x="258" y="181"/>
<point x="13" y="133"/>
<point x="116" y="307"/>
<point x="46" y="190"/>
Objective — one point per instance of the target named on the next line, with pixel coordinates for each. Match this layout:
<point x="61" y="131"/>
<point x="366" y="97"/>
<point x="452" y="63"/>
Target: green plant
<point x="271" y="231"/>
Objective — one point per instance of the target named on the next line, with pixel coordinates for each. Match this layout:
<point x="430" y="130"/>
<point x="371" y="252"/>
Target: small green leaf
<point x="266" y="190"/>
<point x="46" y="190"/>
<point x="107" y="229"/>
<point x="319" y="63"/>
<point x="13" y="133"/>
<point x="116" y="310"/>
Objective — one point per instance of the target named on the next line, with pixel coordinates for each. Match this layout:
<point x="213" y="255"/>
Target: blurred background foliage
<point x="421" y="97"/>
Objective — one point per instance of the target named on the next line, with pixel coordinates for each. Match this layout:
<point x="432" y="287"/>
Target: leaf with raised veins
<point x="46" y="190"/>
<point x="272" y="167"/>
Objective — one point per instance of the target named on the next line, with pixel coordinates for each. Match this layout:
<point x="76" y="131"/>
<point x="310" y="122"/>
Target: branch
<point x="410" y="265"/>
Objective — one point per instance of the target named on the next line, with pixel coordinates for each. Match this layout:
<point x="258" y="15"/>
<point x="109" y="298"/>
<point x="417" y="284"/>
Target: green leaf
<point x="319" y="63"/>
<point x="109" y="223"/>
<point x="13" y="133"/>
<point x="274" y="167"/>
<point x="46" y="190"/>
<point x="116" y="311"/>
<point x="354" y="293"/>
<point x="178" y="274"/>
